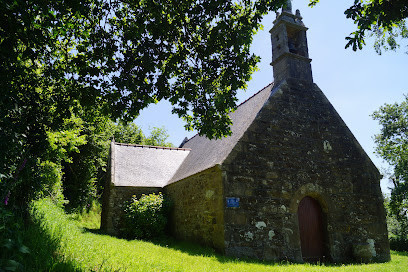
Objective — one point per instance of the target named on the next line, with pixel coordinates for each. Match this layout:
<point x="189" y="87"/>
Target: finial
<point x="298" y="13"/>
<point x="184" y="141"/>
<point x="288" y="6"/>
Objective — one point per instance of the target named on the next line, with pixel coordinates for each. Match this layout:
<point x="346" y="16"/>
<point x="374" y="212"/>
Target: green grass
<point x="75" y="248"/>
<point x="89" y="218"/>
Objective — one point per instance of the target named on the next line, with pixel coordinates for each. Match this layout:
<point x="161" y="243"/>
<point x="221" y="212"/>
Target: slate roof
<point x="145" y="166"/>
<point x="207" y="153"/>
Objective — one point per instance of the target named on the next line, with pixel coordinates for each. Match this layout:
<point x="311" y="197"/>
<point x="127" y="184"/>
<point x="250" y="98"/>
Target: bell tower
<point x="290" y="56"/>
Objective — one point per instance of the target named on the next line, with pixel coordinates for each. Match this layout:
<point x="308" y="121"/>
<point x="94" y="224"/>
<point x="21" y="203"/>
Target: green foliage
<point x="198" y="57"/>
<point x="37" y="91"/>
<point x="81" y="174"/>
<point x="84" y="177"/>
<point x="12" y="249"/>
<point x="130" y="133"/>
<point x="66" y="66"/>
<point x="49" y="180"/>
<point x="399" y="244"/>
<point x="89" y="217"/>
<point x="71" y="160"/>
<point x="392" y="146"/>
<point x="122" y="56"/>
<point x="64" y="142"/>
<point x="386" y="20"/>
<point x="127" y="133"/>
<point x="40" y="173"/>
<point x="158" y="137"/>
<point x="396" y="229"/>
<point x="146" y="217"/>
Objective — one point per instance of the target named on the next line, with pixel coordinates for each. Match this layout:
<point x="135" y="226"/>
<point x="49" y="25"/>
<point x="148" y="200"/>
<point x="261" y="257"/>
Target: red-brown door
<point x="311" y="229"/>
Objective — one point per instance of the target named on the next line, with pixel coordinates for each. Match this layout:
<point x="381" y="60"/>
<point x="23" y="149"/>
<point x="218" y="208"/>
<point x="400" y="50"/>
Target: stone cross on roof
<point x="288" y="6"/>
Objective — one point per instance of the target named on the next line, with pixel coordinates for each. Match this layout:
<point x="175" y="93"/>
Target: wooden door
<point x="311" y="229"/>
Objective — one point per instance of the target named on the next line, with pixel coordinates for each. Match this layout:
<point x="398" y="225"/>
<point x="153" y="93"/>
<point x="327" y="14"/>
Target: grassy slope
<point x="82" y="249"/>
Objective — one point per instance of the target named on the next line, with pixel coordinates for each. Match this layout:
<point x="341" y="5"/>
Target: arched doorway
<point x="311" y="229"/>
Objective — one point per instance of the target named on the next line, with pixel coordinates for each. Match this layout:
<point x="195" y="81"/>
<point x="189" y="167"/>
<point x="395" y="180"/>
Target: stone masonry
<point x="299" y="146"/>
<point x="198" y="213"/>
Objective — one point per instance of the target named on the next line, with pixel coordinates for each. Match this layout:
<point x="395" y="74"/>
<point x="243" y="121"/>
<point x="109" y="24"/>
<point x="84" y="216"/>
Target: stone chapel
<point x="290" y="183"/>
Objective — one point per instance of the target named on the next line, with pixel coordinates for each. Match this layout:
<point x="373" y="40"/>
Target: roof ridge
<point x="240" y="104"/>
<point x="255" y="94"/>
<point x="154" y="147"/>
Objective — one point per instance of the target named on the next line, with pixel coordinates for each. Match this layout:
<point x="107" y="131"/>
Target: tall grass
<point x="89" y="217"/>
<point x="79" y="249"/>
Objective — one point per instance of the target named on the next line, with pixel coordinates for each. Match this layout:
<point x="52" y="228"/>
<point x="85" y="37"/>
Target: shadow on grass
<point x="194" y="249"/>
<point x="400" y="253"/>
<point x="44" y="252"/>
<point x="198" y="250"/>
<point x="94" y="231"/>
<point x="166" y="241"/>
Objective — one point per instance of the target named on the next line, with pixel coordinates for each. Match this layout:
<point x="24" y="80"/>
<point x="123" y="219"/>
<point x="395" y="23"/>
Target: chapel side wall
<point x="114" y="205"/>
<point x="298" y="146"/>
<point x="197" y="213"/>
<point x="106" y="222"/>
<point x="106" y="215"/>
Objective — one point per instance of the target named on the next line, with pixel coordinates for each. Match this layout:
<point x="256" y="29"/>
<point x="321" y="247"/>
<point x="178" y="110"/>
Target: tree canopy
<point x="124" y="55"/>
<point x="66" y="65"/>
<point x="84" y="175"/>
<point x="385" y="20"/>
<point x="392" y="146"/>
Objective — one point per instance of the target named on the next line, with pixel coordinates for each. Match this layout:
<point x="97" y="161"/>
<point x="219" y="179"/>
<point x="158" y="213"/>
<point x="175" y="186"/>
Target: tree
<point x="397" y="230"/>
<point x="384" y="19"/>
<point x="83" y="176"/>
<point x="115" y="57"/>
<point x="128" y="54"/>
<point x="158" y="137"/>
<point x="392" y="146"/>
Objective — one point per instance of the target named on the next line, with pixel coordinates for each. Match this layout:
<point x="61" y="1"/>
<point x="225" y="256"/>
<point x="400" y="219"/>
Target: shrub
<point x="146" y="218"/>
<point x="12" y="249"/>
<point x="399" y="243"/>
<point x="397" y="228"/>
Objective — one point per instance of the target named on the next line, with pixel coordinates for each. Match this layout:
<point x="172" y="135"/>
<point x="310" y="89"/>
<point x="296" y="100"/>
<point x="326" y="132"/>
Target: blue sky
<point x="356" y="83"/>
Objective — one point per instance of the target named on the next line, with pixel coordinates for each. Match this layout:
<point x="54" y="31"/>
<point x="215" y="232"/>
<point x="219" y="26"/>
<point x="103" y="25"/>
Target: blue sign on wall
<point x="233" y="202"/>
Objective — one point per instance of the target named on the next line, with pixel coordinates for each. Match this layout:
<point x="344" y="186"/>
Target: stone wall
<point x="299" y="146"/>
<point x="198" y="214"/>
<point x="115" y="199"/>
